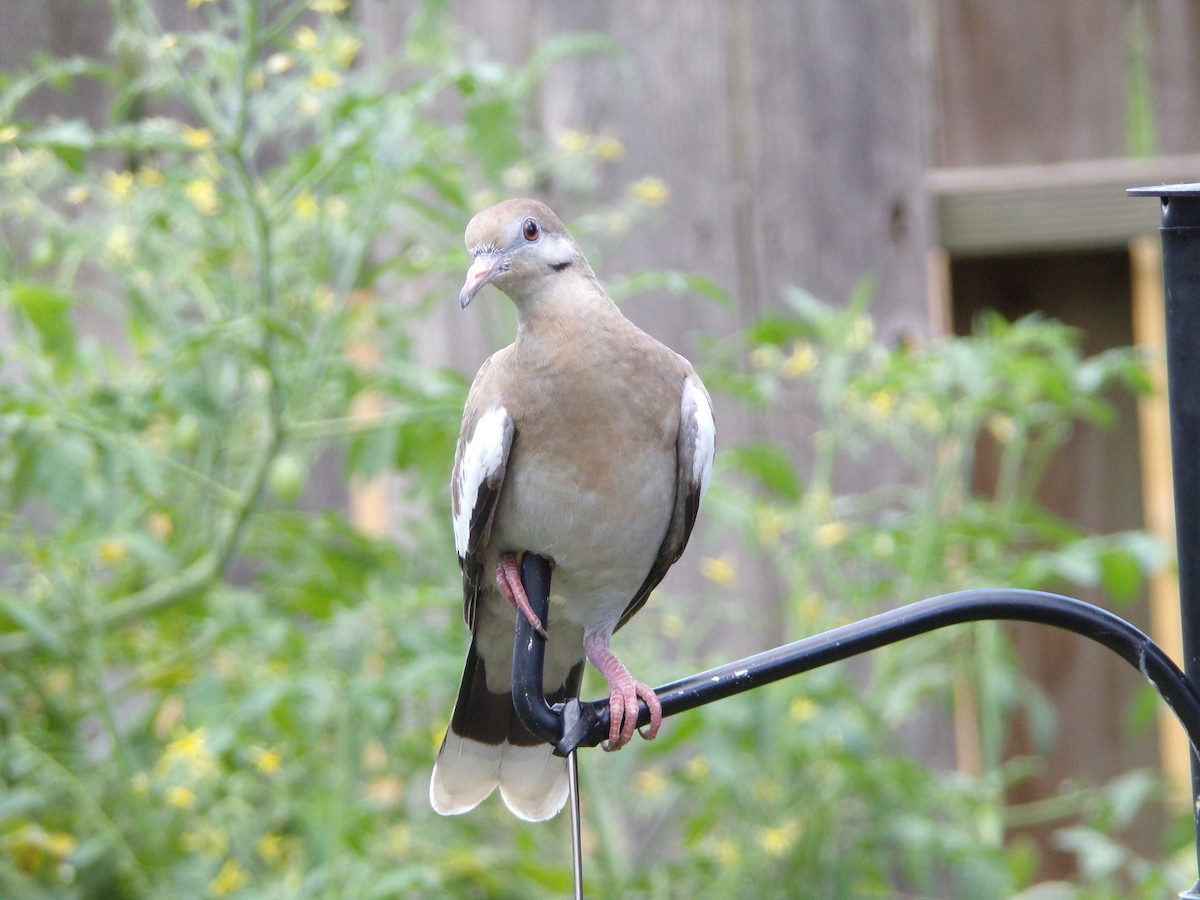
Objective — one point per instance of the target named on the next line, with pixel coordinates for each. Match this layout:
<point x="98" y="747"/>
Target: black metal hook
<point x="585" y="724"/>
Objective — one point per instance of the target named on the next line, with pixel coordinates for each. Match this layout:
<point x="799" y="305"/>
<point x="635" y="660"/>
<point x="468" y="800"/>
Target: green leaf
<point x="1120" y="574"/>
<point x="776" y="329"/>
<point x="69" y="141"/>
<point x="770" y="465"/>
<point x="27" y="618"/>
<point x="49" y="312"/>
<point x="493" y="128"/>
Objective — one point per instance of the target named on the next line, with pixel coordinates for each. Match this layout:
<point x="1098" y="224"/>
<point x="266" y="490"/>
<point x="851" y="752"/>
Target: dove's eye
<point x="531" y="230"/>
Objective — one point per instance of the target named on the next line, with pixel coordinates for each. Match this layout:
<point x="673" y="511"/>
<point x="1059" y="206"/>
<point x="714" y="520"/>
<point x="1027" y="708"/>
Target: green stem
<point x="95" y="813"/>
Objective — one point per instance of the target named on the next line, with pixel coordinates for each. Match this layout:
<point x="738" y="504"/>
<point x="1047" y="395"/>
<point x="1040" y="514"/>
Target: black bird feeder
<point x="585" y="724"/>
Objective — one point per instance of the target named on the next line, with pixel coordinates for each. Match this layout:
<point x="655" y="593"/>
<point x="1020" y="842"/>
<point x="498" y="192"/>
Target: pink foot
<point x="508" y="577"/>
<point x="623" y="695"/>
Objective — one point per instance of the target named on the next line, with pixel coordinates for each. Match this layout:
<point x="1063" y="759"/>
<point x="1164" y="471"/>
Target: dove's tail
<point x="486" y="747"/>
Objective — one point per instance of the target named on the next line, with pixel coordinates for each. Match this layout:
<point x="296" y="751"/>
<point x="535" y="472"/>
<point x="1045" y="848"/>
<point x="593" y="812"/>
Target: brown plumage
<point x="585" y="441"/>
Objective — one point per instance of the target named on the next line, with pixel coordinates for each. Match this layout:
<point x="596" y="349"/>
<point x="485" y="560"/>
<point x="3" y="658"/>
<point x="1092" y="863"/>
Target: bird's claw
<point x="508" y="578"/>
<point x="623" y="709"/>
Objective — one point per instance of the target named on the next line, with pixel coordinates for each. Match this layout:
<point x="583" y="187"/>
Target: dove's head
<point x="519" y="246"/>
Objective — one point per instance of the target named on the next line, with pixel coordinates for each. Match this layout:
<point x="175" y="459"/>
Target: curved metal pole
<point x="579" y="724"/>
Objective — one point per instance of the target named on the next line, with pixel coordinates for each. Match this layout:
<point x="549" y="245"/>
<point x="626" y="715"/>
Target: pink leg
<point x="508" y="577"/>
<point x="623" y="694"/>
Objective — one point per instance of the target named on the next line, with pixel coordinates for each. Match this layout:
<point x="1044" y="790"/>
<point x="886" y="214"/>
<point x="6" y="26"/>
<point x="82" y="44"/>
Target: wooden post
<point x="368" y="499"/>
<point x="1145" y="260"/>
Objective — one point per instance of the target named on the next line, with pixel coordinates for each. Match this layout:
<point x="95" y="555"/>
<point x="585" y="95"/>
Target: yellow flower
<point x="305" y="207"/>
<point x="924" y="413"/>
<point x="771" y="526"/>
<point x="60" y="844"/>
<point x="652" y="192"/>
<point x="572" y="141"/>
<point x="150" y="177"/>
<point x="332" y="7"/>
<point x="159" y="524"/>
<point x="270" y="848"/>
<point x="803" y="359"/>
<point x="777" y="839"/>
<point x="831" y="533"/>
<point x="727" y="853"/>
<point x="649" y="782"/>
<point x="880" y="405"/>
<point x="345" y="50"/>
<point x="118" y="247"/>
<point x="196" y="138"/>
<point x="306" y="38"/>
<point x="802" y="710"/>
<point x="112" y="551"/>
<point x="180" y="797"/>
<point x="1001" y="428"/>
<point x="697" y="768"/>
<point x="719" y="570"/>
<point x="208" y="840"/>
<point x="9" y="133"/>
<point x="230" y="879"/>
<point x="278" y="63"/>
<point x="774" y="841"/>
<point x="861" y="333"/>
<point x="608" y="149"/>
<point x="190" y="749"/>
<point x="119" y="184"/>
<point x="203" y="195"/>
<point x="266" y="761"/>
<point x="671" y="626"/>
<point x="323" y="79"/>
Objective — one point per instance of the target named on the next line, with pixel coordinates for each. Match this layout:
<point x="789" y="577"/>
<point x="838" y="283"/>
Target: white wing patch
<point x="482" y="456"/>
<point x="696" y="405"/>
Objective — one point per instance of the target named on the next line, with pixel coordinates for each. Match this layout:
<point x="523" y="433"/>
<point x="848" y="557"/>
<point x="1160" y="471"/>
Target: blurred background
<point x="892" y="236"/>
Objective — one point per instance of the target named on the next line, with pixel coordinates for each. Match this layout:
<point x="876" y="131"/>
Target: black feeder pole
<point x="1180" y="235"/>
<point x="578" y="724"/>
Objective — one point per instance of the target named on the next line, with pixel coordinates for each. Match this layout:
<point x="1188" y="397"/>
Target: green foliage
<point x="208" y="688"/>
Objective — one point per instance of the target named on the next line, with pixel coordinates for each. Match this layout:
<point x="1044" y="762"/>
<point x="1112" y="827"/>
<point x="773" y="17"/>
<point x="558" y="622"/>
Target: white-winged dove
<point x="585" y="441"/>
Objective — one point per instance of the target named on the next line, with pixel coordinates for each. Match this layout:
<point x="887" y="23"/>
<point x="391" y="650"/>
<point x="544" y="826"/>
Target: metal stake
<point x="576" y="828"/>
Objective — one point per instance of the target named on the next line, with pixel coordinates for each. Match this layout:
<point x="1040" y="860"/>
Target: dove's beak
<point x="485" y="267"/>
